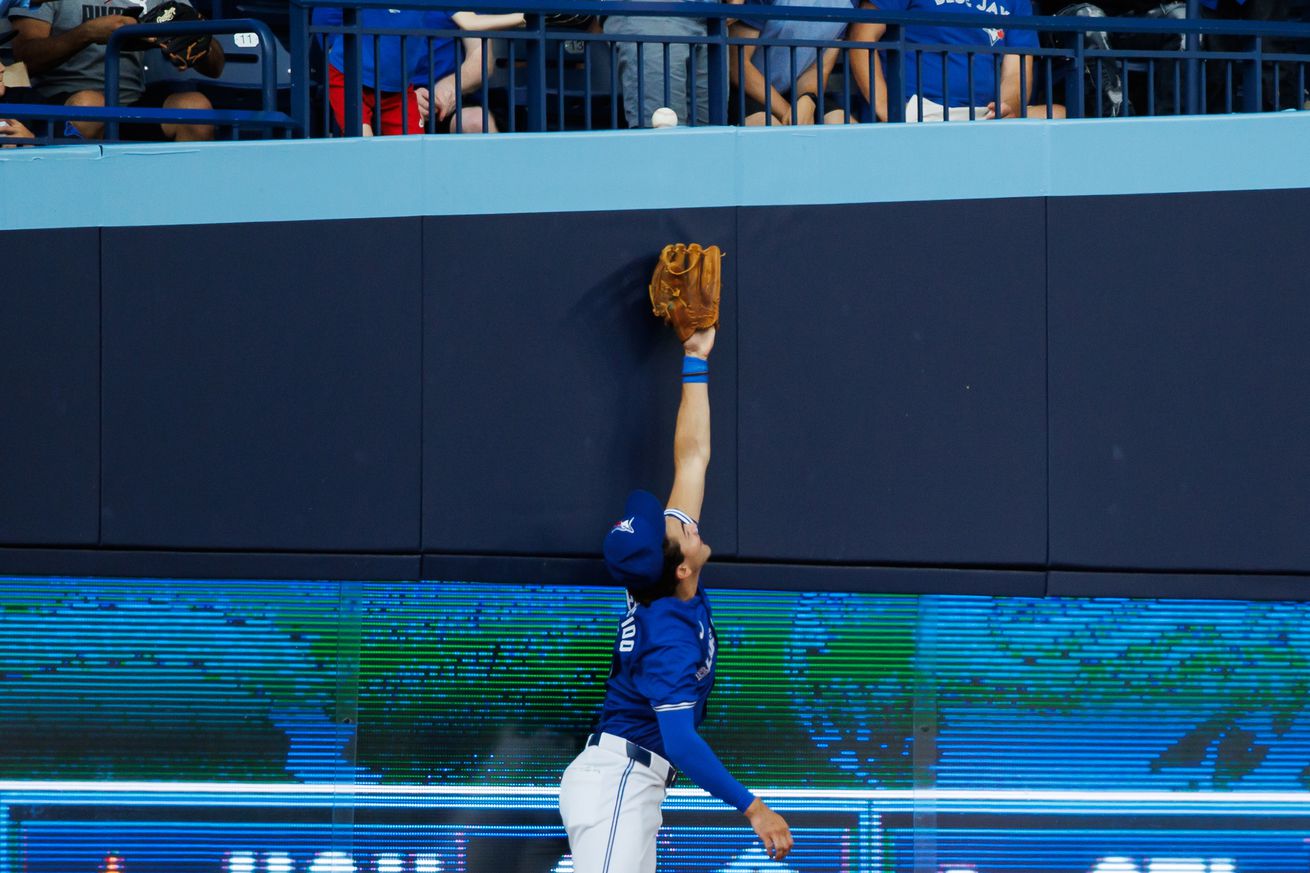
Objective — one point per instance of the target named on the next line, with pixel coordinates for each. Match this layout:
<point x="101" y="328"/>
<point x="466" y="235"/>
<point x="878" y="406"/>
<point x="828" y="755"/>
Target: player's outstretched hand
<point x="700" y="343"/>
<point x="770" y="827"/>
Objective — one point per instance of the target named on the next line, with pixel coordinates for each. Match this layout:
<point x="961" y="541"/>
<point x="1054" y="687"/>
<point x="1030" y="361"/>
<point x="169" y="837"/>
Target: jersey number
<point x="628" y="634"/>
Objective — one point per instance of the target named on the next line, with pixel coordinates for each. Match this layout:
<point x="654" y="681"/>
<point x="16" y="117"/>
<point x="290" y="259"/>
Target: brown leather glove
<point x="181" y="51"/>
<point x="684" y="291"/>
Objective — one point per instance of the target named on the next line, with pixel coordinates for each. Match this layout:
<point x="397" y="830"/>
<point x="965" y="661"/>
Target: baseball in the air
<point x="664" y="117"/>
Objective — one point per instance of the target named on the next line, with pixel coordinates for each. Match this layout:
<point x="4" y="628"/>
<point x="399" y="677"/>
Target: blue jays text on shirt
<point x="988" y="7"/>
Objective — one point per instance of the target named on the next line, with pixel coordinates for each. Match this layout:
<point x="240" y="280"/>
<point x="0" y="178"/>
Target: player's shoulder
<point x="667" y="616"/>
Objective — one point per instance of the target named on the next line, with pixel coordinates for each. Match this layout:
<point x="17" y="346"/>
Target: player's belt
<point x="643" y="756"/>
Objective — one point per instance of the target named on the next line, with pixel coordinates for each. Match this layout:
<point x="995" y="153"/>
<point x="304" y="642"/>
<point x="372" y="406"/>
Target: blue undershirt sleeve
<point x="693" y="756"/>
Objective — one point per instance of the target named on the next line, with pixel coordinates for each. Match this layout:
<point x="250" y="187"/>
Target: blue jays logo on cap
<point x="634" y="546"/>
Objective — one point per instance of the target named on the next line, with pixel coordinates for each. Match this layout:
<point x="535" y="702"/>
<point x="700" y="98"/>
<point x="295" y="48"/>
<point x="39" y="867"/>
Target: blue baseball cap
<point x="634" y="547"/>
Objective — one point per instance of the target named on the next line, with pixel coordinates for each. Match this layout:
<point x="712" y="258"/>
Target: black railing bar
<point x="692" y="9"/>
<point x="973" y="111"/>
<point x="1036" y="51"/>
<point x="641" y="86"/>
<point x="430" y="126"/>
<point x="559" y="76"/>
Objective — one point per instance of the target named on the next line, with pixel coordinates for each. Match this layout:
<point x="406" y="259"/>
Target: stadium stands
<point x="575" y="64"/>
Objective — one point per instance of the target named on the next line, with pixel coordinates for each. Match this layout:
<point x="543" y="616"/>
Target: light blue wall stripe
<point x="118" y="185"/>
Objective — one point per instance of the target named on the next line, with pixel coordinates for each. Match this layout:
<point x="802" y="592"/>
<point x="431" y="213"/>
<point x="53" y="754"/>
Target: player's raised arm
<point x="691" y="437"/>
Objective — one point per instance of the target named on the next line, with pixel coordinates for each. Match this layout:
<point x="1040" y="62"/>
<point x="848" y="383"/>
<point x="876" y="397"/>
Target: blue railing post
<point x="1192" y="41"/>
<point x="353" y="115"/>
<point x="1074" y="102"/>
<point x="1252" y="80"/>
<point x="111" y="82"/>
<point x="536" y="72"/>
<point x="895" y="76"/>
<point x="300" y="66"/>
<point x="718" y="71"/>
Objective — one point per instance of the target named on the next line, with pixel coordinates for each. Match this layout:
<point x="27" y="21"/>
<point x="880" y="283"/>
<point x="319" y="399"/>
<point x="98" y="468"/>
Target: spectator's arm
<point x="480" y="21"/>
<point x="829" y="64"/>
<point x="470" y="74"/>
<point x="33" y="45"/>
<point x="212" y="62"/>
<point x="753" y="81"/>
<point x="1011" y="99"/>
<point x="869" y="31"/>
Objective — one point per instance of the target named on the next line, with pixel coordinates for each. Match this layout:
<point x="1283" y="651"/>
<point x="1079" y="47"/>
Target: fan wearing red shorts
<point x="401" y="66"/>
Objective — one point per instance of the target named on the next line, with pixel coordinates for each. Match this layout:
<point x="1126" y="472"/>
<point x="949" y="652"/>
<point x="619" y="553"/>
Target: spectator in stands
<point x="1289" y="95"/>
<point x="1113" y="101"/>
<point x="395" y="82"/>
<point x="63" y="44"/>
<point x="934" y="97"/>
<point x="10" y="127"/>
<point x="642" y="73"/>
<point x="772" y="95"/>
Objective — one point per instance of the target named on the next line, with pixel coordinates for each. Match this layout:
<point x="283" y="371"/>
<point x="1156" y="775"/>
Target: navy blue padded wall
<point x="551" y="390"/>
<point x="261" y="386"/>
<point x="1180" y="381"/>
<point x="50" y="386"/>
<point x="893" y="383"/>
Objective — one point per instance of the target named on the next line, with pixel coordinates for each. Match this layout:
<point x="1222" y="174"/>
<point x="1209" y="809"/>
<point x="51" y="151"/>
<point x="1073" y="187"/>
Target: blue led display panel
<point x="245" y="726"/>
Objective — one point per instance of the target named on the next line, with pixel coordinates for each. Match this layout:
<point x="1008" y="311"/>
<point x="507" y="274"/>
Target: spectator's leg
<point x="838" y="116"/>
<point x="684" y="94"/>
<point x="652" y="68"/>
<point x="88" y="129"/>
<point x="702" y="82"/>
<point x="472" y="116"/>
<point x="626" y="57"/>
<point x="188" y="132"/>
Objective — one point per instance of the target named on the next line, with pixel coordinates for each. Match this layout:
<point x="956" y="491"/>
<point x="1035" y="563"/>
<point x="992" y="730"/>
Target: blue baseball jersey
<point x="664" y="657"/>
<point x="957" y="63"/>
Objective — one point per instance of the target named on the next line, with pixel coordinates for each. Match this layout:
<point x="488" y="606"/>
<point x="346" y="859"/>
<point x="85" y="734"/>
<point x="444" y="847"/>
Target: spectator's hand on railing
<point x="1007" y="111"/>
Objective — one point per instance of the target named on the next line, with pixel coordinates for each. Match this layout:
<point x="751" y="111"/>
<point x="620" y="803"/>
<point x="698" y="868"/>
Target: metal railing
<point x="540" y="77"/>
<point x="549" y="79"/>
<point x="268" y="118"/>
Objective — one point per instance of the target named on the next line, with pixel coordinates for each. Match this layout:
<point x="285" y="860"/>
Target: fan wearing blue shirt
<point x="662" y="671"/>
<point x="765" y="72"/>
<point x="934" y="96"/>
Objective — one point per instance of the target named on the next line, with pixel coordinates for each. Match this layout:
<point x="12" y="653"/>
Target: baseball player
<point x="663" y="667"/>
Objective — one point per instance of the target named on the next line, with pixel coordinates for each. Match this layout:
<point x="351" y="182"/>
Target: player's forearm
<point x="691" y="437"/>
<point x="694" y="758"/>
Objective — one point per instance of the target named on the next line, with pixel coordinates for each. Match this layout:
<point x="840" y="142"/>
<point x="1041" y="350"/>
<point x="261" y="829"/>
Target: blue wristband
<point x="695" y="369"/>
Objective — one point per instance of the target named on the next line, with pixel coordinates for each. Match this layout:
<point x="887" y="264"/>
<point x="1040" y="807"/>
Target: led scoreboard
<point x="168" y="726"/>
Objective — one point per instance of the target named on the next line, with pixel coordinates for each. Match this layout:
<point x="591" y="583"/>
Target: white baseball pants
<point x="611" y="806"/>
